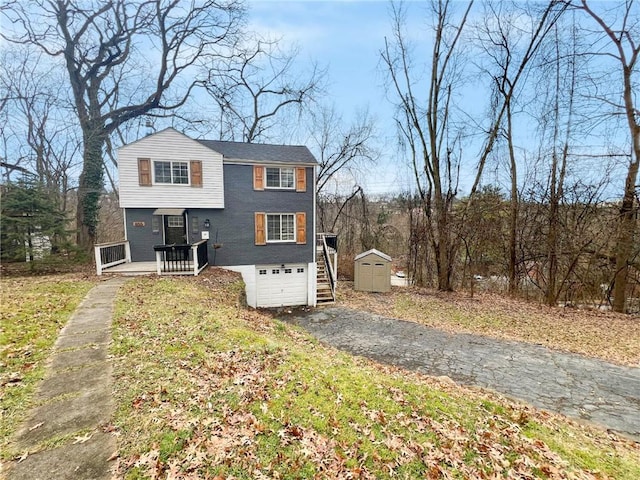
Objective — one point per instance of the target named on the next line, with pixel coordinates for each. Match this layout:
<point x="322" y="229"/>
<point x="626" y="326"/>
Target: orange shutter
<point x="261" y="237"/>
<point x="144" y="172"/>
<point x="258" y="177"/>
<point x="196" y="173"/>
<point x="301" y="179"/>
<point x="301" y="227"/>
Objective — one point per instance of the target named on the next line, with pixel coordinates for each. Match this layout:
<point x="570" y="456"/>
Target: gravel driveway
<point x="570" y="384"/>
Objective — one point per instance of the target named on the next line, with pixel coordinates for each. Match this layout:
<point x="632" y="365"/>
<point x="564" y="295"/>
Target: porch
<point x="188" y="259"/>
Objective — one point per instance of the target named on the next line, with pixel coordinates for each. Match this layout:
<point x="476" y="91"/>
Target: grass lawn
<point x="32" y="312"/>
<point x="609" y="336"/>
<point x="207" y="389"/>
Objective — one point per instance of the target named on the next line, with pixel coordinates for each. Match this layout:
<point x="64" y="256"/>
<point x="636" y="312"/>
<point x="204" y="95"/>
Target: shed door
<point x="279" y="287"/>
<point x="379" y="278"/>
<point x="365" y="278"/>
<point x="373" y="277"/>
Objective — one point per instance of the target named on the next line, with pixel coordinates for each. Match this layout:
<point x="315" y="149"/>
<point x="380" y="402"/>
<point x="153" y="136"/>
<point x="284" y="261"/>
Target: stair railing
<point x="329" y="267"/>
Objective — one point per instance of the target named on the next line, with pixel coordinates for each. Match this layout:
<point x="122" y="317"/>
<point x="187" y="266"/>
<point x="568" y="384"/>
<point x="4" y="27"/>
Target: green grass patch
<point x="207" y="388"/>
<point x="32" y="312"/>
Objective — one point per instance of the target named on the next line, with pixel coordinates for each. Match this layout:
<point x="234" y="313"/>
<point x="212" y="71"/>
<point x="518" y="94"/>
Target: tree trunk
<point x="624" y="240"/>
<point x="513" y="215"/>
<point x="628" y="52"/>
<point x="90" y="187"/>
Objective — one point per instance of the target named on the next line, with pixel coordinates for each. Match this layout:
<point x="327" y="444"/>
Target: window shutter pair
<point x="144" y="172"/>
<point x="261" y="232"/>
<point x="259" y="173"/>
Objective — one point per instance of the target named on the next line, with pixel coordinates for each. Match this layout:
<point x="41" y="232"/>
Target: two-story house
<point x="254" y="203"/>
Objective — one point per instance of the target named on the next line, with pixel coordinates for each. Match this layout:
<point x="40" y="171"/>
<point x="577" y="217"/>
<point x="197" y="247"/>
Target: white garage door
<point x="278" y="287"/>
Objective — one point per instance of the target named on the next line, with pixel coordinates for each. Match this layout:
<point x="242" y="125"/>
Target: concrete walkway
<point x="573" y="385"/>
<point x="74" y="400"/>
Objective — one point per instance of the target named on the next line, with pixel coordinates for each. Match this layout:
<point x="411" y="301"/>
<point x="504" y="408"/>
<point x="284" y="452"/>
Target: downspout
<point x="314" y="239"/>
<point x="187" y="230"/>
<point x="124" y="221"/>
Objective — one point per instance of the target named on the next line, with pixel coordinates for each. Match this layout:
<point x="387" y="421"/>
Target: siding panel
<point x="170" y="145"/>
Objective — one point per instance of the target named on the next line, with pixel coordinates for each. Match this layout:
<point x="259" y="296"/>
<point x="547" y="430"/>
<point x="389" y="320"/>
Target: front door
<point x="174" y="230"/>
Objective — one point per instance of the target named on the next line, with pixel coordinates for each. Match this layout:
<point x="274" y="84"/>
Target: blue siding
<point x="233" y="226"/>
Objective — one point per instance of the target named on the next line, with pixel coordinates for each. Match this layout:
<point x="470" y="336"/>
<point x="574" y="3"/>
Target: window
<point x="287" y="270"/>
<point x="280" y="177"/>
<point x="300" y="270"/>
<point x="171" y="172"/>
<point x="281" y="227"/>
<point x="175" y="221"/>
<point x="263" y="272"/>
<point x="275" y="271"/>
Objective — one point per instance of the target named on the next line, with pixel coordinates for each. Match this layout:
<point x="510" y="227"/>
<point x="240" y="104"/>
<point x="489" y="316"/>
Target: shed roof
<point x="374" y="252"/>
<point x="261" y="152"/>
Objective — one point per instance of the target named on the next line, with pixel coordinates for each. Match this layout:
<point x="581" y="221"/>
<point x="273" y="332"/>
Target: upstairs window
<point x="280" y="177"/>
<point x="171" y="172"/>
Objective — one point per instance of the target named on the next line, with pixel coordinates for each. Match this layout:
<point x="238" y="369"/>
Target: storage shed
<point x="372" y="272"/>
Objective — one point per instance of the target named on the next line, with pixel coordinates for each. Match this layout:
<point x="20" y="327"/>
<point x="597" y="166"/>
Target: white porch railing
<point x="188" y="259"/>
<point x="110" y="254"/>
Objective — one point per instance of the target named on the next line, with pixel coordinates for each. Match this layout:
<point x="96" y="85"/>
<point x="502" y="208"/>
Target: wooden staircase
<point x="324" y="293"/>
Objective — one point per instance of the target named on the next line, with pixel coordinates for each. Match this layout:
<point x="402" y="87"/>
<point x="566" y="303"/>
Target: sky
<point x="346" y="37"/>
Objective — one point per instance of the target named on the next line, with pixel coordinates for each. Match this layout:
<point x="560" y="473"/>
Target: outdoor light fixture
<point x="207" y="223"/>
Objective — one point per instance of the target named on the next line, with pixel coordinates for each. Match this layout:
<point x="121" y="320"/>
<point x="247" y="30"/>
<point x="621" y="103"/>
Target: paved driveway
<point x="569" y="384"/>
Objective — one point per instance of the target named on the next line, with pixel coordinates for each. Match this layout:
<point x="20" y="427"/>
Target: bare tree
<point x="342" y="151"/>
<point x="342" y="147"/>
<point x="623" y="33"/>
<point x="426" y="128"/>
<point x="101" y="45"/>
<point x="257" y="87"/>
<point x="510" y="37"/>
<point x="38" y="136"/>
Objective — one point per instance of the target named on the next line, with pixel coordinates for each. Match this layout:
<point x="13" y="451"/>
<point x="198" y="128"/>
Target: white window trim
<point x="171" y="162"/>
<point x="266" y="228"/>
<point x="280" y="187"/>
<point x="173" y="219"/>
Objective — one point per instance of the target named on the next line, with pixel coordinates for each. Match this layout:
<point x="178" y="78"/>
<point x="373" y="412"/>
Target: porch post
<point x="158" y="263"/>
<point x="96" y="253"/>
<point x="194" y="256"/>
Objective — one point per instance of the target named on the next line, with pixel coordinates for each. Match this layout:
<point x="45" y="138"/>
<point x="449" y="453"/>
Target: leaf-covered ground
<point x="606" y="335"/>
<point x="208" y="389"/>
<point x="32" y="312"/>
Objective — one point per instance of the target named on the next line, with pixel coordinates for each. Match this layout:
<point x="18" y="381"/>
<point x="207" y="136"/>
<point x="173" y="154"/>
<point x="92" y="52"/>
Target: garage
<point x="281" y="285"/>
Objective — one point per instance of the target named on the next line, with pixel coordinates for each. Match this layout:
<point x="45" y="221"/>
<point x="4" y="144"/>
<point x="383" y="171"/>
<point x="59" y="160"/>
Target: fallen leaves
<point x="82" y="438"/>
<point x="222" y="392"/>
<point x="606" y="335"/>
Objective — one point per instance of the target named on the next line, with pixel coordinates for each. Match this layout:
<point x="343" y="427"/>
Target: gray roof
<point x="261" y="152"/>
